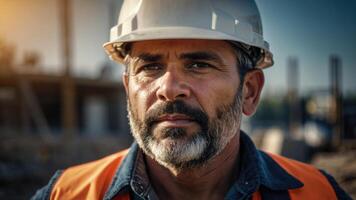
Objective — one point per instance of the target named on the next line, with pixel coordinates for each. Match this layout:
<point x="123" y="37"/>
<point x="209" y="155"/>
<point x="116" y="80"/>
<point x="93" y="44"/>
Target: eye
<point x="199" y="66"/>
<point x="149" y="68"/>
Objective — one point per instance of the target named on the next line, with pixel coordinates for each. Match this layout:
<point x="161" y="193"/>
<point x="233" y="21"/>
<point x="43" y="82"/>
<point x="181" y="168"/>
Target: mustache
<point x="177" y="107"/>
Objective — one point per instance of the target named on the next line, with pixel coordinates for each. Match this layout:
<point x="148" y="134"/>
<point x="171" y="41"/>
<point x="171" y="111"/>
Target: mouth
<point x="175" y="120"/>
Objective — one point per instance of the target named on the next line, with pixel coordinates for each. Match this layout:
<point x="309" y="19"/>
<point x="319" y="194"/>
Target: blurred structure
<point x="31" y="103"/>
<point x="293" y="98"/>
<point x="330" y="115"/>
<point x="322" y="119"/>
<point x="33" y="139"/>
<point x="7" y="56"/>
<point x="52" y="121"/>
<point x="45" y="103"/>
<point x="69" y="114"/>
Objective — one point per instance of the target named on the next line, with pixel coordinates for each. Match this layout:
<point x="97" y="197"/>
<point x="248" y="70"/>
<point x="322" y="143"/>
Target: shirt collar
<point x="257" y="168"/>
<point x="123" y="176"/>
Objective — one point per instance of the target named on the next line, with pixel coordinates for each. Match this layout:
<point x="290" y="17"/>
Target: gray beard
<point x="197" y="150"/>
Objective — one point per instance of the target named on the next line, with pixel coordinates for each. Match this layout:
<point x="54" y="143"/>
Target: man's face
<point x="184" y="99"/>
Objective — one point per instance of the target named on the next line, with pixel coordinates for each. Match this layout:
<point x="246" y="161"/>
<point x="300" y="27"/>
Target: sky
<point x="309" y="30"/>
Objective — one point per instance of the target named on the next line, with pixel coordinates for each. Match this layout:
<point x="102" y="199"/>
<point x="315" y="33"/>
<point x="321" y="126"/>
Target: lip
<point x="174" y="117"/>
<point x="175" y="120"/>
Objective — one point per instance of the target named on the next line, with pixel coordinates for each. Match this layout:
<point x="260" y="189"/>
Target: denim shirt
<point x="258" y="171"/>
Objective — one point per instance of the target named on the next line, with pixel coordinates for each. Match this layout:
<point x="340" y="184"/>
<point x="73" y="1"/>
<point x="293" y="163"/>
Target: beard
<point x="174" y="147"/>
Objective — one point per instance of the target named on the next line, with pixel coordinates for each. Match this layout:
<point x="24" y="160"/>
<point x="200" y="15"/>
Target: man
<point x="192" y="68"/>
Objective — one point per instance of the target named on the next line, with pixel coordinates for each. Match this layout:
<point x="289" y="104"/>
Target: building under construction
<point x="36" y="103"/>
<point x="43" y="128"/>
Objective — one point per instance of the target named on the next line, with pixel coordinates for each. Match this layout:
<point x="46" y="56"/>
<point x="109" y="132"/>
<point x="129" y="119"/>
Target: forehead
<point x="177" y="46"/>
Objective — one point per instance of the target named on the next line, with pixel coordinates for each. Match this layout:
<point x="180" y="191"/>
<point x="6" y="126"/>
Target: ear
<point x="253" y="84"/>
<point x="125" y="81"/>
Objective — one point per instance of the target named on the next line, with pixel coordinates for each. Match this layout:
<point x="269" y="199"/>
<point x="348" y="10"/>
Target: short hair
<point x="247" y="57"/>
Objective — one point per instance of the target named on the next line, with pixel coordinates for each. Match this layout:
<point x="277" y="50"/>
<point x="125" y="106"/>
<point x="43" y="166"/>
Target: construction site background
<point x="53" y="120"/>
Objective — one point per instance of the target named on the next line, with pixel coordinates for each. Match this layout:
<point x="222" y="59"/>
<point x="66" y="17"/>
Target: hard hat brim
<point x="163" y="33"/>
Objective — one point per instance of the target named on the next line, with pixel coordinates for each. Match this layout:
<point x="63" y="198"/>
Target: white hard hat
<point x="232" y="20"/>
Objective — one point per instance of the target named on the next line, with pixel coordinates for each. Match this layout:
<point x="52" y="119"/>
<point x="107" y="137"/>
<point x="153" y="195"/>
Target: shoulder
<point x="88" y="180"/>
<point x="306" y="173"/>
<point x="94" y="168"/>
<point x="80" y="181"/>
<point x="45" y="192"/>
<point x="296" y="168"/>
<point x="279" y="166"/>
<point x="316" y="181"/>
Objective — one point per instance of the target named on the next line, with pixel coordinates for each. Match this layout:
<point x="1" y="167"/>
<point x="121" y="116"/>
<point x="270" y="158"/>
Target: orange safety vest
<point x="91" y="180"/>
<point x="88" y="181"/>
<point x="315" y="183"/>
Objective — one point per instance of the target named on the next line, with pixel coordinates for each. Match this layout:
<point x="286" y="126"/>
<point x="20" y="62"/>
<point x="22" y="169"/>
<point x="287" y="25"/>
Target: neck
<point x="210" y="181"/>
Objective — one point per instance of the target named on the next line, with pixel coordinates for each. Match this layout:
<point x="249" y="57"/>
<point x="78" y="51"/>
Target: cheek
<point x="140" y="97"/>
<point x="215" y="94"/>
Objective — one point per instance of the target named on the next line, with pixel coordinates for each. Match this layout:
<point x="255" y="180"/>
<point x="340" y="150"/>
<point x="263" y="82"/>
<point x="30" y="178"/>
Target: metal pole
<point x="69" y="115"/>
<point x="336" y="106"/>
<point x="293" y="82"/>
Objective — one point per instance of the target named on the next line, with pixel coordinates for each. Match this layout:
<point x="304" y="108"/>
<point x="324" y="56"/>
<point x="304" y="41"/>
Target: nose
<point x="172" y="86"/>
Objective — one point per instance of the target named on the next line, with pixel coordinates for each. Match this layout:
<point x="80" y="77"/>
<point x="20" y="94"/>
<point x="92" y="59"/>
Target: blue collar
<point x="257" y="168"/>
<point x="124" y="175"/>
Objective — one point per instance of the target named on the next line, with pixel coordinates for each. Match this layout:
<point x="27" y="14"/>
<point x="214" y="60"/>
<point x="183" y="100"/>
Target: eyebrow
<point x="147" y="57"/>
<point x="201" y="55"/>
